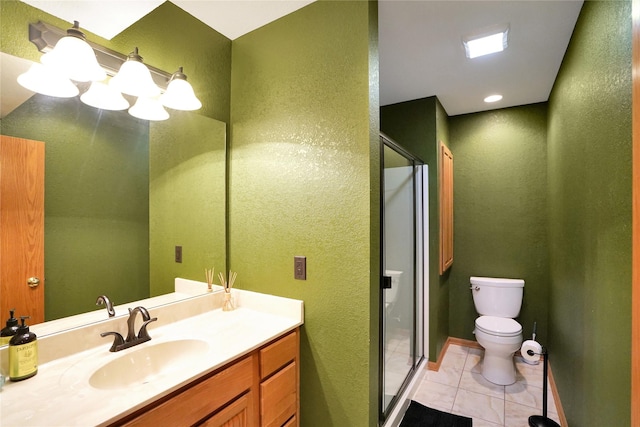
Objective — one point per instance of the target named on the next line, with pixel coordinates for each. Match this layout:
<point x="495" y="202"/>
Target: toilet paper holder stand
<point x="537" y="420"/>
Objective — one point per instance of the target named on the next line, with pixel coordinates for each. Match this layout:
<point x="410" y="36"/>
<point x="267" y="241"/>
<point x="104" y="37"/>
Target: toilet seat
<point x="498" y="326"/>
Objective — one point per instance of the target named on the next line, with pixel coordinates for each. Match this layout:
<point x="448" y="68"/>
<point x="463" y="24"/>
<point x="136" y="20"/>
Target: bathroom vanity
<point x="202" y="366"/>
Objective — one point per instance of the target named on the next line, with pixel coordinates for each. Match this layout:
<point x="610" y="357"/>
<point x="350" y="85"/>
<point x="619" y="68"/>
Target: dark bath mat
<point x="418" y="415"/>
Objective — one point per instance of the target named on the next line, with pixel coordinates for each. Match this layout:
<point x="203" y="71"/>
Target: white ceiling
<point x="421" y="51"/>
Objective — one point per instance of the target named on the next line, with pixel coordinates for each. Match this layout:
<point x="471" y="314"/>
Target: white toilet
<point x="498" y="302"/>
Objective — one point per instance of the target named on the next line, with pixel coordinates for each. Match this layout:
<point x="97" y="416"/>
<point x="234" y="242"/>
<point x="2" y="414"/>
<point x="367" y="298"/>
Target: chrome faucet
<point x="103" y="299"/>
<point x="132" y="339"/>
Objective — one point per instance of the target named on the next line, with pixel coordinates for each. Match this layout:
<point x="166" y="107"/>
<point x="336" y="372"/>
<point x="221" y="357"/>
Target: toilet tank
<point x="497" y="297"/>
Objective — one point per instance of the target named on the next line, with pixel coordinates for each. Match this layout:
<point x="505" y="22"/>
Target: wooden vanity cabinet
<point x="279" y="384"/>
<point x="261" y="389"/>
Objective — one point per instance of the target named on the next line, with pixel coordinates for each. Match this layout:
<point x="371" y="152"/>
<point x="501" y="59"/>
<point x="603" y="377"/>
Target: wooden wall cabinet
<point x="261" y="389"/>
<point x="446" y="208"/>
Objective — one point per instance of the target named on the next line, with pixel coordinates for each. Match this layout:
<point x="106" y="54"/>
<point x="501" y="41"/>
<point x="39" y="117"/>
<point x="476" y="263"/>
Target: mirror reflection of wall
<point x="105" y="231"/>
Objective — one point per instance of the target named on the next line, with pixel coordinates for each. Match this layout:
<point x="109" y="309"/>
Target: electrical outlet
<point x="179" y="254"/>
<point x="300" y="267"/>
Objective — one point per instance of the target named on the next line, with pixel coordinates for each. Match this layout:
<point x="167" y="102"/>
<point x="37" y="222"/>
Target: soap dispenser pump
<point x="23" y="353"/>
<point x="10" y="330"/>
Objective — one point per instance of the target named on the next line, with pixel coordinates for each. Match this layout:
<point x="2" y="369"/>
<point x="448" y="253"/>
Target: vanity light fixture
<point x="148" y="108"/>
<point x="48" y="78"/>
<point x="493" y="98"/>
<point x="102" y="95"/>
<point x="134" y="78"/>
<point x="47" y="82"/>
<point x="74" y="58"/>
<point x="179" y="94"/>
<point x="489" y="41"/>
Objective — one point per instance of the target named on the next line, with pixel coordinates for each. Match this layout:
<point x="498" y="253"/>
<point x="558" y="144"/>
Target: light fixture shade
<point x="46" y="81"/>
<point x="101" y="95"/>
<point x="179" y="94"/>
<point x="74" y="58"/>
<point x="148" y="109"/>
<point x="491" y="42"/>
<point x="134" y="78"/>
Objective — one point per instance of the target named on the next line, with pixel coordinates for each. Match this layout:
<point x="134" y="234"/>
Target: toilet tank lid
<point x="497" y="282"/>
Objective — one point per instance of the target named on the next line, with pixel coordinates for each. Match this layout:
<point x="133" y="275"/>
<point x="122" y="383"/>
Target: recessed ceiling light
<point x="488" y="42"/>
<point x="493" y="98"/>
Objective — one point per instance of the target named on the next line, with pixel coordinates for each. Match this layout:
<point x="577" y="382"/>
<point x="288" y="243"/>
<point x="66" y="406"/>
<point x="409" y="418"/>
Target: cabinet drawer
<point x="278" y="397"/>
<point x="278" y="354"/>
<point x="195" y="403"/>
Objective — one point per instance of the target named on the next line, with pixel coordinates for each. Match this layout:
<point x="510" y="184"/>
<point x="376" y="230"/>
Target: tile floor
<point x="459" y="388"/>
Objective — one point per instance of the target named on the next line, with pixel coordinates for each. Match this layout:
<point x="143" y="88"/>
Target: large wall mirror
<point x="120" y="195"/>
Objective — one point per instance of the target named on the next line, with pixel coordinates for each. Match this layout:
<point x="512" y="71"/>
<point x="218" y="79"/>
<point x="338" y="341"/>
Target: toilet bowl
<point x="498" y="301"/>
<point x="501" y="338"/>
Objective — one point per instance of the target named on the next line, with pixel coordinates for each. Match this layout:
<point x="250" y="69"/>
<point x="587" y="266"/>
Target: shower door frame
<point x="419" y="313"/>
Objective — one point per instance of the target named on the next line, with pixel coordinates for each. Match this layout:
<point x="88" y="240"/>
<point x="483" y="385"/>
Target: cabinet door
<point x="278" y="397"/>
<point x="200" y="400"/>
<point x="237" y="414"/>
<point x="446" y="208"/>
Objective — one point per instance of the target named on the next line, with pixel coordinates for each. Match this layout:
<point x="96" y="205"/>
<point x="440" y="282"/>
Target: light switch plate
<point x="300" y="267"/>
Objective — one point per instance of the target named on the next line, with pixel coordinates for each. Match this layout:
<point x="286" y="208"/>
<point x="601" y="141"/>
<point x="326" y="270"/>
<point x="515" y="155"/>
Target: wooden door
<point x="21" y="228"/>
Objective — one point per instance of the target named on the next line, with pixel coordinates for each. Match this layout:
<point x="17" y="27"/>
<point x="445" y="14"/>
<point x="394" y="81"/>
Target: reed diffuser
<point x="209" y="275"/>
<point x="228" y="303"/>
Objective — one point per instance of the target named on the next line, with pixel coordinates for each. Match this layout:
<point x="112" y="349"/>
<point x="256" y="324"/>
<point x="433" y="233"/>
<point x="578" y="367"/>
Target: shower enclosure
<point x="402" y="273"/>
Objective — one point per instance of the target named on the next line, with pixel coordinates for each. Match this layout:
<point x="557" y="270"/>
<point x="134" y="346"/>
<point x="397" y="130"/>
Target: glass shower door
<point x="398" y="273"/>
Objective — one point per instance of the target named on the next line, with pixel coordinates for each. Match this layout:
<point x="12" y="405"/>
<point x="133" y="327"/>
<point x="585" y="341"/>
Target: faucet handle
<point x="142" y="333"/>
<point x="118" y="341"/>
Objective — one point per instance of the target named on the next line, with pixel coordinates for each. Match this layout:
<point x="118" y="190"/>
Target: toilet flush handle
<point x="477" y="288"/>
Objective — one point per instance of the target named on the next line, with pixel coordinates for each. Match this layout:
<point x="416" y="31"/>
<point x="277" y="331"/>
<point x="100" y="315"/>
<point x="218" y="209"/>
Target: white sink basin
<point x="139" y="366"/>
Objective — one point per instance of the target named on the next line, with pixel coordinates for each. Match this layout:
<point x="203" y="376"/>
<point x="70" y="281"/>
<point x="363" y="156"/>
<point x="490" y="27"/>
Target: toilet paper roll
<point x="532" y="359"/>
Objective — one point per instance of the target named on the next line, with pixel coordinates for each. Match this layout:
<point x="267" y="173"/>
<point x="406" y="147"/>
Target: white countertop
<point x="60" y="394"/>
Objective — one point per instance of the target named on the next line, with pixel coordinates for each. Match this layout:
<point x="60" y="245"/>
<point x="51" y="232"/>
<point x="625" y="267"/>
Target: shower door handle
<point x="386" y="282"/>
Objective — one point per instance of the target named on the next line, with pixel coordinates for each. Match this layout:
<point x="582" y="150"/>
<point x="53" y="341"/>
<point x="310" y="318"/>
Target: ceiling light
<point x="493" y="98"/>
<point x="179" y="94"/>
<point x="74" y="58"/>
<point x="486" y="43"/>
<point x="134" y="78"/>
<point x="101" y="95"/>
<point x="46" y="81"/>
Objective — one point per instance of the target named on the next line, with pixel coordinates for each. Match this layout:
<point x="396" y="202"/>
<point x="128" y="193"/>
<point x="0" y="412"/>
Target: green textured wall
<point x="304" y="181"/>
<point x="96" y="221"/>
<point x="168" y="38"/>
<point x="589" y="171"/>
<point x="187" y="198"/>
<point x="500" y="210"/>
<point x="418" y="126"/>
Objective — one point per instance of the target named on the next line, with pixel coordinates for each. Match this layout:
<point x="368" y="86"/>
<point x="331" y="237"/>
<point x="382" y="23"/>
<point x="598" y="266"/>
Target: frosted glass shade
<point x="180" y="96"/>
<point x="46" y="81"/>
<point x="101" y="95"/>
<point x="135" y="79"/>
<point x="74" y="59"/>
<point x="148" y="109"/>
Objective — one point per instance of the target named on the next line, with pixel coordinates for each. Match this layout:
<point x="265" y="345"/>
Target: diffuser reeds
<point x="228" y="304"/>
<point x="209" y="275"/>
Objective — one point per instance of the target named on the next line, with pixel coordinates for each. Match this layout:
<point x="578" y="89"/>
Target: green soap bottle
<point x="10" y="330"/>
<point x="23" y="353"/>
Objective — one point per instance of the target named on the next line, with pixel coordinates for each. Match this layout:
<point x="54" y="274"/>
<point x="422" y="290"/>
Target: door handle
<point x="386" y="282"/>
<point x="33" y="282"/>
